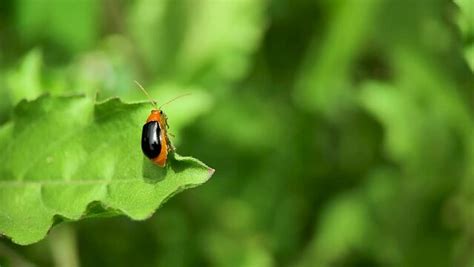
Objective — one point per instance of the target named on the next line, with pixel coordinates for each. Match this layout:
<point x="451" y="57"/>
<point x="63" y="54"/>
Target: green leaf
<point x="216" y="50"/>
<point x="210" y="45"/>
<point x="68" y="158"/>
<point x="324" y="84"/>
<point x="466" y="17"/>
<point x="25" y="81"/>
<point x="469" y="54"/>
<point x="466" y="24"/>
<point x="344" y="226"/>
<point x="70" y="24"/>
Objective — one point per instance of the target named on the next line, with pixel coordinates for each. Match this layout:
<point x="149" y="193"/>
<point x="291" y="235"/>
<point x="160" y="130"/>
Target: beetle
<point x="155" y="141"/>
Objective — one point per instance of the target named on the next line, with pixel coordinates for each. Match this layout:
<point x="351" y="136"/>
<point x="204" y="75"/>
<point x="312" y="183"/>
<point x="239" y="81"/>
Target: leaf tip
<point x="210" y="173"/>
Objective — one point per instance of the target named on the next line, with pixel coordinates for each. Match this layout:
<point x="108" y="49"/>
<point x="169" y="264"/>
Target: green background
<point x="341" y="131"/>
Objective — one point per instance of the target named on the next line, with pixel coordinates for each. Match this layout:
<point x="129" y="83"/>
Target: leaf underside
<point x="69" y="158"/>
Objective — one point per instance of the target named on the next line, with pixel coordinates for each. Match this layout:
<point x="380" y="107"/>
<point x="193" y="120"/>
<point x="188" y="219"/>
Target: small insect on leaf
<point x="62" y="157"/>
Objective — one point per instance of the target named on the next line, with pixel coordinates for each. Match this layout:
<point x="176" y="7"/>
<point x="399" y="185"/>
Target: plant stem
<point x="63" y="246"/>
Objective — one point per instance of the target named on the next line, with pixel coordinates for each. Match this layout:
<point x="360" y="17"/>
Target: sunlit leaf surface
<point x="65" y="158"/>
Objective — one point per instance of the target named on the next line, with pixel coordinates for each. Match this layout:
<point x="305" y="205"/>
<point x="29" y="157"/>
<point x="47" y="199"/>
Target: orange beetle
<point x="155" y="142"/>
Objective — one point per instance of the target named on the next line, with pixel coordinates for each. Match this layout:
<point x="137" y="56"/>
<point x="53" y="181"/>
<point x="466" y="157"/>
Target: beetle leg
<point x="170" y="145"/>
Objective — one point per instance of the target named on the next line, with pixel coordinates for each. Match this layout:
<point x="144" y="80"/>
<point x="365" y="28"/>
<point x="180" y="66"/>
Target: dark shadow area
<point x="153" y="173"/>
<point x="177" y="166"/>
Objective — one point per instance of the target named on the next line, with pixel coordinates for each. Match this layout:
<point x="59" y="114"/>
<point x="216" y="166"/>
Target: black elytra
<point x="151" y="143"/>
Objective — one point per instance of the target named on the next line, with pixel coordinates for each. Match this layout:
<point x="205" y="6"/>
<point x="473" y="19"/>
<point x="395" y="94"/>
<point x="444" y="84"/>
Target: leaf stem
<point x="63" y="246"/>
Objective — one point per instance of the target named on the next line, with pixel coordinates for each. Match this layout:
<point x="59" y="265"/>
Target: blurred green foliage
<point x="342" y="131"/>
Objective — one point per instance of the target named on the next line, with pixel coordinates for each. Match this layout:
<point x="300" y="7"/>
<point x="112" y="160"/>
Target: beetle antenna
<point x="174" y="99"/>
<point x="153" y="102"/>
